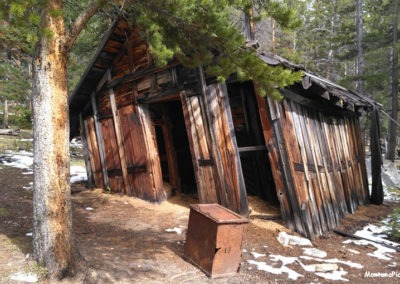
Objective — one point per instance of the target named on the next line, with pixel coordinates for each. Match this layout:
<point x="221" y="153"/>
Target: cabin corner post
<point x="83" y="133"/>
<point x="99" y="137"/>
<point x="118" y="135"/>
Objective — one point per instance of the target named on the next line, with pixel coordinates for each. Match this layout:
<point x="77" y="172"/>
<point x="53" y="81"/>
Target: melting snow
<point x="333" y="260"/>
<point x="381" y="252"/>
<point x="77" y="173"/>
<point x="285" y="259"/>
<point x="21" y="160"/>
<point x="24" y="277"/>
<point x="177" y="230"/>
<point x="76" y="143"/>
<point x="89" y="209"/>
<point x="353" y="251"/>
<point x="314" y="252"/>
<point x="334" y="275"/>
<point x="289" y="240"/>
<point x="283" y="269"/>
<point x="257" y="255"/>
<point x="374" y="236"/>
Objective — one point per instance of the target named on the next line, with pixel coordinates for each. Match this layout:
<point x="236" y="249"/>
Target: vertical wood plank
<point x="117" y="129"/>
<point x="86" y="153"/>
<point x="203" y="162"/>
<point x="93" y="148"/>
<point x="225" y="148"/>
<point x="274" y="157"/>
<point x="100" y="140"/>
<point x="155" y="193"/>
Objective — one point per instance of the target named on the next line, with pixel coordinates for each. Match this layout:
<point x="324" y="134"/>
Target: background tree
<point x="15" y="57"/>
<point x="394" y="94"/>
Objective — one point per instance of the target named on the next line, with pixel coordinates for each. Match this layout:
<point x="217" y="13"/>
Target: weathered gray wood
<point x="86" y="154"/>
<point x="206" y="179"/>
<point x="99" y="137"/>
<point x="225" y="148"/>
<point x="276" y="165"/>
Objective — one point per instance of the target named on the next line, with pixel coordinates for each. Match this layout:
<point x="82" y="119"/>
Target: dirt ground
<point x="127" y="240"/>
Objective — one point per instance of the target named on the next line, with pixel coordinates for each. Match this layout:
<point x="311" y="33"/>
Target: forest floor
<point x="127" y="240"/>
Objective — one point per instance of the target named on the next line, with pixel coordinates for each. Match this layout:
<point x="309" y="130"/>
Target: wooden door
<point x="202" y="158"/>
<point x="214" y="149"/>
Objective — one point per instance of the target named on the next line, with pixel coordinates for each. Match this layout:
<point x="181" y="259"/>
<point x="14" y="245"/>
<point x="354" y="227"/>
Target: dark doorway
<point x="253" y="152"/>
<point x="173" y="146"/>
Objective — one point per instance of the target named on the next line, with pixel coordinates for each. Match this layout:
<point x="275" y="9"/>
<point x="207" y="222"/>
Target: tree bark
<point x="391" y="153"/>
<point x="52" y="216"/>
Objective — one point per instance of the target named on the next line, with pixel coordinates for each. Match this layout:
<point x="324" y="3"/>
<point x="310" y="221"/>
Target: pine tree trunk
<point x="360" y="48"/>
<point x="52" y="216"/>
<point x="5" y="114"/>
<point x="391" y="153"/>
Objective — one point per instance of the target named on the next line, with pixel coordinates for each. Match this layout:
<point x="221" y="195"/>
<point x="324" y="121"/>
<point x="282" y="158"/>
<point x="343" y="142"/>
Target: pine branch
<point x="80" y="22"/>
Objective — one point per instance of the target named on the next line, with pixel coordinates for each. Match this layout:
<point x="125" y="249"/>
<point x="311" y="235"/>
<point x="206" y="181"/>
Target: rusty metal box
<point x="214" y="239"/>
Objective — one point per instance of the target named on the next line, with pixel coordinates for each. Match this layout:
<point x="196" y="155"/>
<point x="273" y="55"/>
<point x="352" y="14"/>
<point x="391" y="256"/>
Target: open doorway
<point x="173" y="146"/>
<point x="252" y="149"/>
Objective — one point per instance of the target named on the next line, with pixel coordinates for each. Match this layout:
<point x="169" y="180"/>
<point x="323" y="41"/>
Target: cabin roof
<point x="115" y="38"/>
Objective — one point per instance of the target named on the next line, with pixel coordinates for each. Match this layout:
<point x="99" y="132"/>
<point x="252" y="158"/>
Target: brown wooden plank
<point x="155" y="193"/>
<point x="287" y="173"/>
<point x="86" y="153"/>
<point x="273" y="155"/>
<point x="206" y="179"/>
<point x="118" y="135"/>
<point x="322" y="159"/>
<point x="225" y="148"/>
<point x="95" y="162"/>
<point x="99" y="137"/>
<point x="298" y="117"/>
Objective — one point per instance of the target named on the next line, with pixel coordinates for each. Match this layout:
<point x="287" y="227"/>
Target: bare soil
<point x="124" y="239"/>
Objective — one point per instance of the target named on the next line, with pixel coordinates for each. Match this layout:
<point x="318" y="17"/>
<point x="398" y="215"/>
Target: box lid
<point x="219" y="213"/>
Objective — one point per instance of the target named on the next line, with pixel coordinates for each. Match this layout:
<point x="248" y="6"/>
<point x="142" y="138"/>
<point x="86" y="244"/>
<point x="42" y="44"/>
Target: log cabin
<point x="150" y="130"/>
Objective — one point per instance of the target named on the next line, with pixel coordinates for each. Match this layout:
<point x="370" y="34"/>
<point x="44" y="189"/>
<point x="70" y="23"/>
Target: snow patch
<point x="381" y="252"/>
<point x="257" y="255"/>
<point x="289" y="240"/>
<point x="177" y="230"/>
<point x="76" y="143"/>
<point x="89" y="209"/>
<point x="374" y="236"/>
<point x="24" y="277"/>
<point x="293" y="275"/>
<point x="21" y="159"/>
<point x="314" y="252"/>
<point x="333" y="260"/>
<point x="334" y="275"/>
<point x="78" y="174"/>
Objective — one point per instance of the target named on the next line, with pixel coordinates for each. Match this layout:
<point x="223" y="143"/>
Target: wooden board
<point x="225" y="149"/>
<point x="144" y="171"/>
<point x="203" y="161"/>
<point x="94" y="153"/>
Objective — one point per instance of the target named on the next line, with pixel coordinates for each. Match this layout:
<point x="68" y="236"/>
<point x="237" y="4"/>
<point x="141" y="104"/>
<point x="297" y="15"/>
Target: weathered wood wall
<point x="319" y="164"/>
